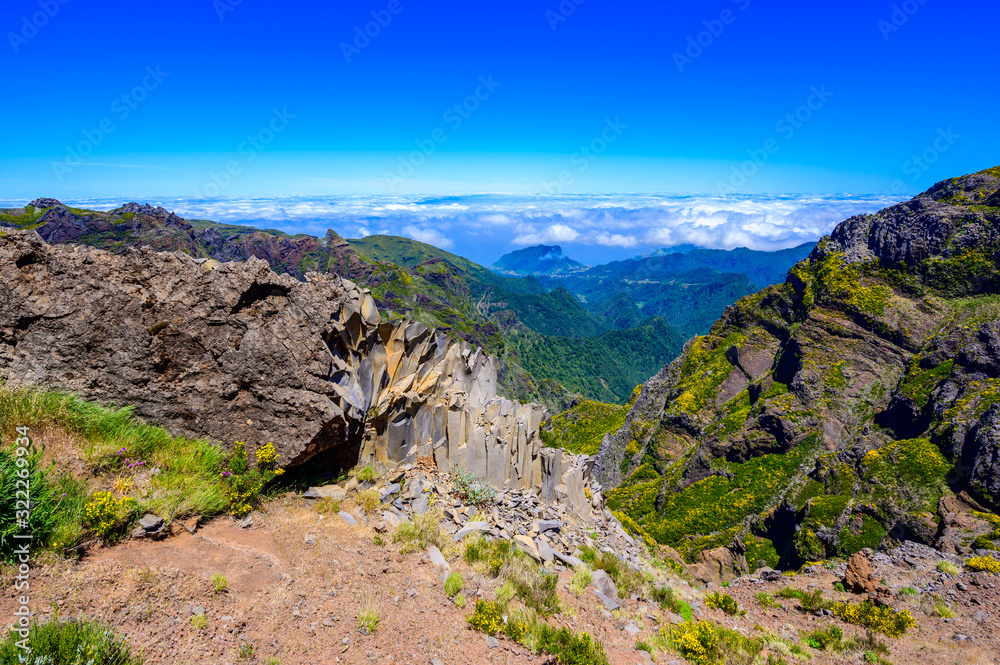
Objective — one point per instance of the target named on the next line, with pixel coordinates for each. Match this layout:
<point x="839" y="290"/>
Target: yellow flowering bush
<point x="266" y="456"/>
<point x="103" y="512"/>
<point x="878" y="618"/>
<point x="983" y="563"/>
<point x="487" y="617"/>
<point x="695" y="641"/>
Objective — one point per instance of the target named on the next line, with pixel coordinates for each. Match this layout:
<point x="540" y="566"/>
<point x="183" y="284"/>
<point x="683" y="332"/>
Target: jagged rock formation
<point x="241" y="353"/>
<point x="841" y="410"/>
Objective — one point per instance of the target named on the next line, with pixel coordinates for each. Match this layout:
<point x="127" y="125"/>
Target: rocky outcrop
<point x="241" y="353"/>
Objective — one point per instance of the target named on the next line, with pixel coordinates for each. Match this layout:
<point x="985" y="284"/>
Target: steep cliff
<point x="842" y="409"/>
<point x="236" y="352"/>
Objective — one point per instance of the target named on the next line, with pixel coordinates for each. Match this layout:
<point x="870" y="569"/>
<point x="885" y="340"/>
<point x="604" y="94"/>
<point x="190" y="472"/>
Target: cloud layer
<point x="483" y="227"/>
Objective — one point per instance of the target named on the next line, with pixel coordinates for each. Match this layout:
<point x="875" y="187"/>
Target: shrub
<point x="472" y="490"/>
<point x="878" y="618"/>
<point x="368" y="618"/>
<point x="23" y="464"/>
<point x="107" y="516"/>
<point x="765" y="599"/>
<point x="570" y="648"/>
<point x="487" y="617"/>
<point x="369" y="501"/>
<point x="668" y="599"/>
<point x="367" y="474"/>
<point x="199" y="621"/>
<point x="695" y="641"/>
<point x="247" y="651"/>
<point x="77" y="643"/>
<point x="267" y="456"/>
<point x="581" y="580"/>
<point x="814" y="600"/>
<point x="417" y="534"/>
<point x="948" y="568"/>
<point x="501" y="559"/>
<point x="983" y="563"/>
<point x="724" y="602"/>
<point x="934" y="605"/>
<point x="453" y="584"/>
<point x="829" y="638"/>
<point x="219" y="582"/>
<point x="790" y="592"/>
<point x="839" y="586"/>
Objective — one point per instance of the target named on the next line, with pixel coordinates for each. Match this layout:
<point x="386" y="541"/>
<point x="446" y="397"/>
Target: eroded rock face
<point x="240" y="353"/>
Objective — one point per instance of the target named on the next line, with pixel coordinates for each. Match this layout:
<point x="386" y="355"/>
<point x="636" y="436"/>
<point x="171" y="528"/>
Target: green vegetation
<point x="668" y="599"/>
<point x="582" y="428"/>
<point x="948" y="568"/>
<point x="530" y="584"/>
<point x="369" y="618"/>
<point x="724" y="602"/>
<point x="453" y="584"/>
<point x="115" y="446"/>
<point x="626" y="578"/>
<point x="983" y="563"/>
<point x="420" y="532"/>
<point x="877" y="618"/>
<point x="219" y="583"/>
<point x="581" y="580"/>
<point x="77" y="643"/>
<point x="827" y="638"/>
<point x="470" y="489"/>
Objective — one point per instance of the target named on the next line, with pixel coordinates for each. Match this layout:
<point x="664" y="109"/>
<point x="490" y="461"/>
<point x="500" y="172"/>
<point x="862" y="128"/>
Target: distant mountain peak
<point x="537" y="260"/>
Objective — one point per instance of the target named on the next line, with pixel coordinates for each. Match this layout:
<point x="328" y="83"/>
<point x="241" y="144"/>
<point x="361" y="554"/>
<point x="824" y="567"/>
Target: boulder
<point x="718" y="565"/>
<point x="604" y="584"/>
<point x="527" y="545"/>
<point x="334" y="492"/>
<point x="859" y="577"/>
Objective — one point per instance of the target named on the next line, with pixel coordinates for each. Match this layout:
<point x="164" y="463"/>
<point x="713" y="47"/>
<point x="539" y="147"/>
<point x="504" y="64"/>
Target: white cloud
<point x="429" y="236"/>
<point x="502" y="222"/>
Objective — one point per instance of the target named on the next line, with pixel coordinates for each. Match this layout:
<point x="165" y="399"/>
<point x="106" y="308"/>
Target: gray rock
<point x="541" y="526"/>
<point x="544" y="550"/>
<point x="390" y="519"/>
<point x="769" y="575"/>
<point x="309" y="539"/>
<point x="470" y="528"/>
<point x="632" y="629"/>
<point x="570" y="561"/>
<point x="388" y="491"/>
<point x="492" y="642"/>
<point x="603" y="583"/>
<point x="420" y="504"/>
<point x="609" y="603"/>
<point x="347" y="517"/>
<point x="334" y="492"/>
<point x="437" y="558"/>
<point x="151" y="523"/>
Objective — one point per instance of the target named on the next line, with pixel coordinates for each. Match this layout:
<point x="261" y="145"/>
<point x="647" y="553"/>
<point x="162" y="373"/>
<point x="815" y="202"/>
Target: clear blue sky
<point x="608" y="69"/>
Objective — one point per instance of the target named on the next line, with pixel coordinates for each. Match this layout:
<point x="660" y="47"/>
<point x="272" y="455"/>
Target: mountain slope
<point x="854" y="404"/>
<point x="690" y="290"/>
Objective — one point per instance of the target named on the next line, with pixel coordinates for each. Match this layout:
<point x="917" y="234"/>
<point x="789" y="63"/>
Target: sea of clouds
<point x="590" y="228"/>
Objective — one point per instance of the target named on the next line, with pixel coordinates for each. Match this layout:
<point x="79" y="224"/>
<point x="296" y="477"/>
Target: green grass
<point x="626" y="578"/>
<point x="453" y="584"/>
<point x="522" y="577"/>
<point x="219" y="582"/>
<point x="78" y="643"/>
<point x="420" y="532"/>
<point x="188" y="482"/>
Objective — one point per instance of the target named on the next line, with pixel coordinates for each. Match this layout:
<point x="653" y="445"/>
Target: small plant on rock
<point x="199" y="621"/>
<point x="367" y="474"/>
<point x="369" y="501"/>
<point x="327" y="505"/>
<point x="418" y="533"/>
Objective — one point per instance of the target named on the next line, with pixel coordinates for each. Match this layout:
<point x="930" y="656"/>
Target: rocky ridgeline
<point x="235" y="352"/>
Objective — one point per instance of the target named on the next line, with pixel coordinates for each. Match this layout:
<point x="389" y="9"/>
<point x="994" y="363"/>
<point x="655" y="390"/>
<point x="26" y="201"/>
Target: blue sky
<point x="559" y="75"/>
